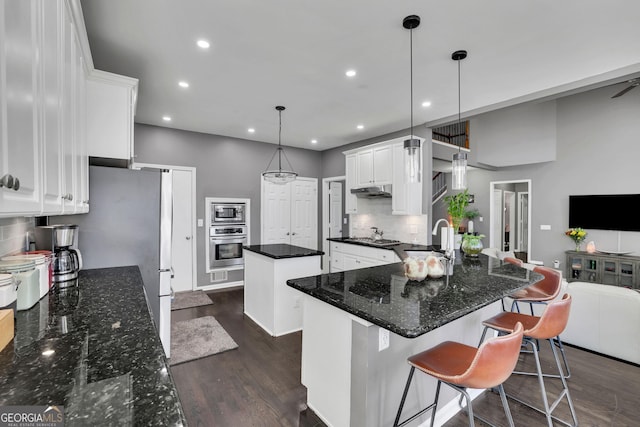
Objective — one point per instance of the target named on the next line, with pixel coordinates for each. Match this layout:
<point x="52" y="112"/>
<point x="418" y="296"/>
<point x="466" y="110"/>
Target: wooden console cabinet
<point x="617" y="270"/>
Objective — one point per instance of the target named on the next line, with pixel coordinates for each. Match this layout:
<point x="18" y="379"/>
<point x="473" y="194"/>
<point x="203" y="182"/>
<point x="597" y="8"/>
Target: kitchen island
<point x="268" y="301"/>
<point x="355" y="370"/>
<point x="95" y="350"/>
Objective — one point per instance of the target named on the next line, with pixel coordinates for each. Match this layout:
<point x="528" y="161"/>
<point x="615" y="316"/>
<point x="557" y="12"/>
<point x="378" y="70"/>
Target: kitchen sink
<point x="373" y="242"/>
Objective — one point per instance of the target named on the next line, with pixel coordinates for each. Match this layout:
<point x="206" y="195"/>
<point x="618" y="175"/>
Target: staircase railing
<point x="439" y="186"/>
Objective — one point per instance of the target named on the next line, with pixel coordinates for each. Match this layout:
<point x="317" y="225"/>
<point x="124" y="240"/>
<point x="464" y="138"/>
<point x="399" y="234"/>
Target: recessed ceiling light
<point x="183" y="84"/>
<point x="314" y="141"/>
<point x="251" y="130"/>
<point x="350" y="73"/>
<point x="360" y="127"/>
<point x="426" y="104"/>
<point x="166" y="118"/>
<point x="48" y="352"/>
<point x="203" y="44"/>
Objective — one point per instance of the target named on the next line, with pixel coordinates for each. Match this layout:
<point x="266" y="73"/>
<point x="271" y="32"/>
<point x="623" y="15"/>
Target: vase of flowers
<point x="577" y="235"/>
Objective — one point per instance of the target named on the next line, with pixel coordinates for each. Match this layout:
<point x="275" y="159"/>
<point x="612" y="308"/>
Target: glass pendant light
<point x="279" y="176"/>
<point x="459" y="164"/>
<point x="412" y="149"/>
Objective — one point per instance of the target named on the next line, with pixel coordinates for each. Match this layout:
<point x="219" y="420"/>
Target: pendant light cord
<point x="459" y="120"/>
<point x="411" y="76"/>
<point x="279" y="139"/>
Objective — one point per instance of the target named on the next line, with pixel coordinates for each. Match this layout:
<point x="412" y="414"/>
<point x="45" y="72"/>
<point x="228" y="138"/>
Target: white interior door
<point x="304" y="213"/>
<point x="335" y="209"/>
<point x="509" y="221"/>
<point x="276" y="211"/>
<point x="497" y="235"/>
<point x="182" y="232"/>
<point x="523" y="221"/>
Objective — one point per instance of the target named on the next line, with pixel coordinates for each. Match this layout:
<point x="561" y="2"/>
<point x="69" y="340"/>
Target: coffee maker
<point x="62" y="241"/>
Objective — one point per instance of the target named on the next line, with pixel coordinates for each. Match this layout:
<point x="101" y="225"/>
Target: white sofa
<point x="605" y="319"/>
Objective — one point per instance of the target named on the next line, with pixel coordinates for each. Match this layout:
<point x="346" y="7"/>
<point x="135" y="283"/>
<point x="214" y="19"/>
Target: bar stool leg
<point x="433" y="406"/>
<point x="564" y="384"/>
<point x="541" y="382"/>
<point x="505" y="405"/>
<point x="558" y="342"/>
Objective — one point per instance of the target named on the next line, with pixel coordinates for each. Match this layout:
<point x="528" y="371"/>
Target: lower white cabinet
<point x="345" y="256"/>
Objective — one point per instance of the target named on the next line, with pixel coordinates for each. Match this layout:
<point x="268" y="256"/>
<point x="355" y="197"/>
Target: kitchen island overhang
<point x="352" y="380"/>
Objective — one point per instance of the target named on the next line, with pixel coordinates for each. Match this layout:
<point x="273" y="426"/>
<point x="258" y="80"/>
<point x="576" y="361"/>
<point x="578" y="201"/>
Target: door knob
<point x="188" y="237"/>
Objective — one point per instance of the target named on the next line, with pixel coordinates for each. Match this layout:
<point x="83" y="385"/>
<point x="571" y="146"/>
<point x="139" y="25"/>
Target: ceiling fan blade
<point x="625" y="90"/>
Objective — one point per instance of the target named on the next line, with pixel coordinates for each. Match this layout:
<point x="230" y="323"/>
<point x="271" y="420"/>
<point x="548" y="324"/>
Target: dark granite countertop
<point x="281" y="250"/>
<point x="94" y="349"/>
<point x="384" y="296"/>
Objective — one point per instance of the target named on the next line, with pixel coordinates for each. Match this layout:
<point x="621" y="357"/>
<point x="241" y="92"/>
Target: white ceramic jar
<point x="25" y="272"/>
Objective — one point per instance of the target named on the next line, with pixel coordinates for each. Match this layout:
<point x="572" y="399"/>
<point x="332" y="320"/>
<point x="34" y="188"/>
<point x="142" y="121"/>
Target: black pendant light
<point x="279" y="176"/>
<point x="459" y="163"/>
<point x="413" y="153"/>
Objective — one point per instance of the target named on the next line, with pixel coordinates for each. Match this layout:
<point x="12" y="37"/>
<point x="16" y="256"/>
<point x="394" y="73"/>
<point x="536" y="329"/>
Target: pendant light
<point x="412" y="152"/>
<point x="279" y="176"/>
<point x="459" y="164"/>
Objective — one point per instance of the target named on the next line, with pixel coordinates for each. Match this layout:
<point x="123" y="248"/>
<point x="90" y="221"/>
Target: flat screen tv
<point x="605" y="212"/>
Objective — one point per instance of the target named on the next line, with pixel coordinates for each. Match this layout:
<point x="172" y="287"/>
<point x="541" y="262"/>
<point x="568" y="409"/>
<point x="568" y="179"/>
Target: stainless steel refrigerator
<point x="129" y="223"/>
<point x="166" y="270"/>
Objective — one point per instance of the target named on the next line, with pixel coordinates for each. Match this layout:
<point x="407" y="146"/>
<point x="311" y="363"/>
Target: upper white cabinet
<point x="111" y="105"/>
<point x="380" y="164"/>
<point x="43" y="156"/>
<point x="373" y="166"/>
<point x="19" y="139"/>
<point x="351" y="201"/>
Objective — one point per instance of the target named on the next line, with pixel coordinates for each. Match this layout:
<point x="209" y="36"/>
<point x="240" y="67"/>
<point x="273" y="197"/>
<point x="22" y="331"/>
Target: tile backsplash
<point x="13" y="234"/>
<point x="406" y="228"/>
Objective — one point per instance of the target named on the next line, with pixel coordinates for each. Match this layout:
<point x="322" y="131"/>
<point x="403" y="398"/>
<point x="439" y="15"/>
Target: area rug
<point x="190" y="299"/>
<point x="196" y="338"/>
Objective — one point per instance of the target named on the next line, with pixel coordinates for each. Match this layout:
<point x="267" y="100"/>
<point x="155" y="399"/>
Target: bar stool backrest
<point x="552" y="282"/>
<point x="494" y="362"/>
<point x="514" y="261"/>
<point x="553" y="321"/>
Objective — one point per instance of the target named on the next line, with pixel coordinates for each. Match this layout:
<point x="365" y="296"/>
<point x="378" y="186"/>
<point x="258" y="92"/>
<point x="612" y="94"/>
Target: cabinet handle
<point x="16" y="184"/>
<point x="188" y="237"/>
<point x="68" y="197"/>
<point x="288" y="233"/>
<point x="293" y="234"/>
<point x="6" y="181"/>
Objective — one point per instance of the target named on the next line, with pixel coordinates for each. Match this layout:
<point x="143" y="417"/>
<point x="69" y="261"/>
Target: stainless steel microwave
<point x="228" y="213"/>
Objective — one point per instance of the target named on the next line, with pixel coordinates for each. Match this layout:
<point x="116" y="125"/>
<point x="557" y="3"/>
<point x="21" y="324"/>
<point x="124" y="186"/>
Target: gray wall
<point x="225" y="167"/>
<point x="597" y="153"/>
<point x="123" y="223"/>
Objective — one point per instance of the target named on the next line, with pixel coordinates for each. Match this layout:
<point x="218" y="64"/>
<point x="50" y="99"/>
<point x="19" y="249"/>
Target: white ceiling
<point x="295" y="53"/>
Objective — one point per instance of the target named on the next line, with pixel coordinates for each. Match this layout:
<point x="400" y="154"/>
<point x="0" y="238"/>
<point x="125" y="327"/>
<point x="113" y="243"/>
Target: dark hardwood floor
<point x="258" y="384"/>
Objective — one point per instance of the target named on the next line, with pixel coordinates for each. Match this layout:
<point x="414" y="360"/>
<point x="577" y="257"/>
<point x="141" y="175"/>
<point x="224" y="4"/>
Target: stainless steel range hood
<point x="372" y="192"/>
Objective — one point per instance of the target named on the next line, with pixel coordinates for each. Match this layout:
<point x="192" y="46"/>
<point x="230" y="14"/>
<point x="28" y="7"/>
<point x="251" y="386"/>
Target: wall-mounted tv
<point x="605" y="212"/>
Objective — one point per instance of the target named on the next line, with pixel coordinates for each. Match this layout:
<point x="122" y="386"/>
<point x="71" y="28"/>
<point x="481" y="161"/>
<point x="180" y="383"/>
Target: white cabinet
<point x="351" y="201"/>
<point x="290" y="213"/>
<point x="111" y="104"/>
<point x="20" y="179"/>
<point x="345" y="256"/>
<point x="406" y="197"/>
<point x="373" y="166"/>
<point x="42" y="144"/>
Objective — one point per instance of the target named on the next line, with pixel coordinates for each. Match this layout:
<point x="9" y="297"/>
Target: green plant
<point x="471" y="214"/>
<point x="456" y="208"/>
<point x="473" y="239"/>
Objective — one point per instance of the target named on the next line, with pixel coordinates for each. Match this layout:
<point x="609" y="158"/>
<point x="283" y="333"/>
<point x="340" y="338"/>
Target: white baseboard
<point x="220" y="286"/>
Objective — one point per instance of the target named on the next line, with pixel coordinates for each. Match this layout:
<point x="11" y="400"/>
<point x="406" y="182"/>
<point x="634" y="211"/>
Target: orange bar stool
<point x="552" y="322"/>
<point x="461" y="366"/>
<point x="542" y="292"/>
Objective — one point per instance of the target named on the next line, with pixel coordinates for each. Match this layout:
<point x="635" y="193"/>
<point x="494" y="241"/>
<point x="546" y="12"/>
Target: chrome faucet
<point x="377" y="233"/>
<point x="449" y="250"/>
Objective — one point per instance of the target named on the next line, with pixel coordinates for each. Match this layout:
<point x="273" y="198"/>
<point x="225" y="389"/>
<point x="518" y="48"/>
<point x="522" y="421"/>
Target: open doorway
<point x="335" y="223"/>
<point x="510" y="217"/>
